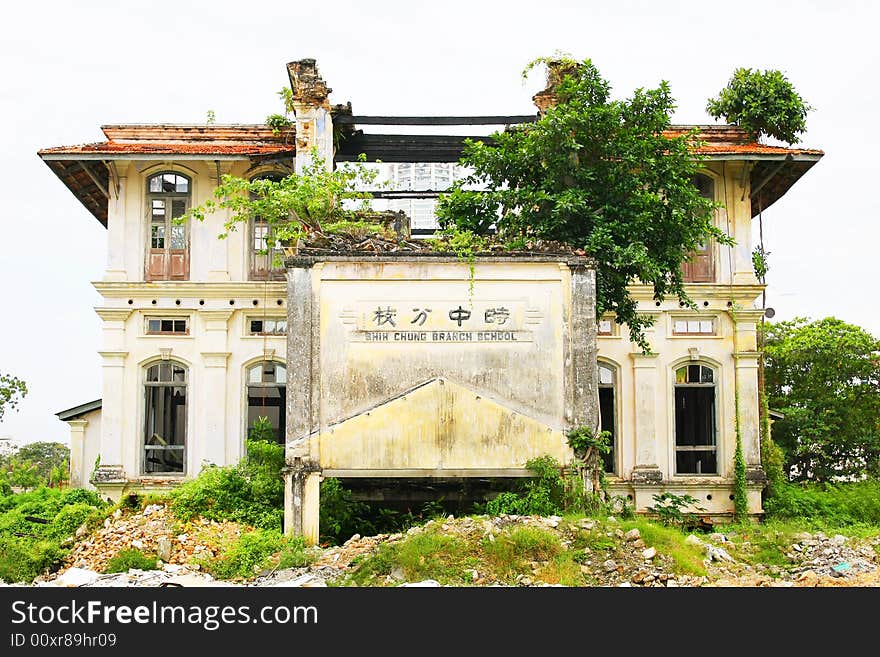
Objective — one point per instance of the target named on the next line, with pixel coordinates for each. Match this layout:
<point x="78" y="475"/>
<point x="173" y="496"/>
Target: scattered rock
<point x="609" y="565"/>
<point x="650" y="553"/>
<point x="632" y="535"/>
<point x="693" y="540"/>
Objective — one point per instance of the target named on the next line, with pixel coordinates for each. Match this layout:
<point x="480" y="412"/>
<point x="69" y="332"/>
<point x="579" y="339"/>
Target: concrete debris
<point x="632" y="535"/>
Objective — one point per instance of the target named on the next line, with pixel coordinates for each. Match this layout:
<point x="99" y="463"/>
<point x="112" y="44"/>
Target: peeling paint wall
<point x="415" y="367"/>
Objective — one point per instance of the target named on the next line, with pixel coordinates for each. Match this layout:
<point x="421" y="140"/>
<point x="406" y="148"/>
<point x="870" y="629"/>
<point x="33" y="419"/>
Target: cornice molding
<point x="114" y="314"/>
<point x="190" y="289"/>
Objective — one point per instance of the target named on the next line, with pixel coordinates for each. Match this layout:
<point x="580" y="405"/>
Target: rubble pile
<point x="605" y="553"/>
<point x="153" y="531"/>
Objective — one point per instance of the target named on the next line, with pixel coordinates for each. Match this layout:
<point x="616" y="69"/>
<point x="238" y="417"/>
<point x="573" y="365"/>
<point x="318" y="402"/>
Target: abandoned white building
<point x="195" y="343"/>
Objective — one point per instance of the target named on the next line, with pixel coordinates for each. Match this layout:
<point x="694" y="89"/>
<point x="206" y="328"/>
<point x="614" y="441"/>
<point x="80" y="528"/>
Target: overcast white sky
<point x="69" y="67"/>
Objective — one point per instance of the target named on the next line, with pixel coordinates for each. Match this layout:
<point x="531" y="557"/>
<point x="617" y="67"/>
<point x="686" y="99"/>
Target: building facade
<point x="195" y="343"/>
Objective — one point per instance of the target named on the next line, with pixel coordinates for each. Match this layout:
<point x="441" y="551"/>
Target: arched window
<point x="700" y="266"/>
<point x="168" y="197"/>
<point x="695" y="425"/>
<point x="608" y="412"/>
<point x="266" y="395"/>
<point x="263" y="251"/>
<point x="165" y="418"/>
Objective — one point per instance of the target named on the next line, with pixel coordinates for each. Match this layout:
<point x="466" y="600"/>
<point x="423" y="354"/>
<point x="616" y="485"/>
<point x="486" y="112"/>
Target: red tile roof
<point x="169" y="139"/>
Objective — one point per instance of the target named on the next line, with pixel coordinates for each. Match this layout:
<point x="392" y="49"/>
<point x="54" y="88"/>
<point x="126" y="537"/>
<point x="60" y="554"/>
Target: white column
<point x="77" y="449"/>
<point x="211" y="425"/>
<point x="646" y="468"/>
<point x="116" y="230"/>
<point x="111" y="416"/>
<point x="217" y="249"/>
<point x="213" y="434"/>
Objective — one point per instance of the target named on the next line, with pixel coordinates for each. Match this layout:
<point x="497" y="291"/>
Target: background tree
<point x="45" y="456"/>
<point x="598" y="174"/>
<point x="12" y="390"/>
<point x="824" y="376"/>
<point x="762" y="102"/>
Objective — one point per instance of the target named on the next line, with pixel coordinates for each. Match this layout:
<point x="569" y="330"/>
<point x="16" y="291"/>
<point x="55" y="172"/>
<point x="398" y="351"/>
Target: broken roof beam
<point x="347" y="119"/>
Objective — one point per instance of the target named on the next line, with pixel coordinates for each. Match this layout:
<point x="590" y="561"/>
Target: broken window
<point x="264" y="252"/>
<point x="165" y="418"/>
<point x="699" y="266"/>
<point x="266" y="396"/>
<point x="607" y="412"/>
<point x="167" y="325"/>
<point x="267" y="326"/>
<point x="695" y="427"/>
<point x="168" y="198"/>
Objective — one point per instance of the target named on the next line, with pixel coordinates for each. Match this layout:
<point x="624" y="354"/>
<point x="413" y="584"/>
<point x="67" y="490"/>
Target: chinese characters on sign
<point x="440" y="322"/>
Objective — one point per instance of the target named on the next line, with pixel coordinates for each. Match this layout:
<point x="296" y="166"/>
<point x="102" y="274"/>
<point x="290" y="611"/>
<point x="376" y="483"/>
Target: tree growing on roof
<point x="762" y="102"/>
<point x="600" y="174"/>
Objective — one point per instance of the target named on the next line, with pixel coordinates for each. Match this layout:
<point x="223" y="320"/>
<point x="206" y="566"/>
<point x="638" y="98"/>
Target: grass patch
<point x="427" y="555"/>
<point x="827" y="506"/>
<point x="451" y="559"/>
<point x="255" y="551"/>
<point x="687" y="559"/>
<point x="129" y="558"/>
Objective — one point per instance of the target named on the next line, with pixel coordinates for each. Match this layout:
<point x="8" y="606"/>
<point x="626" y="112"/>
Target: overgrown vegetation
<point x="342" y="516"/>
<point x="598" y="174"/>
<point x="673" y="510"/>
<point x="129" y="558"/>
<point x="295" y="205"/>
<point x="253" y="552"/>
<point x="251" y="492"/>
<point x="826" y="505"/>
<point x="37" y="528"/>
<point x="763" y="103"/>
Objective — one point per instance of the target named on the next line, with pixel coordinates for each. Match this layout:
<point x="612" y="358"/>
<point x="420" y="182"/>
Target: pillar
<point x="583" y="392"/>
<point x="116" y="229"/>
<point x="217" y="249"/>
<point x="311" y="106"/>
<point x="647" y="469"/>
<point x="213" y="436"/>
<point x="77" y="450"/>
<point x="111" y="469"/>
<point x="302" y="485"/>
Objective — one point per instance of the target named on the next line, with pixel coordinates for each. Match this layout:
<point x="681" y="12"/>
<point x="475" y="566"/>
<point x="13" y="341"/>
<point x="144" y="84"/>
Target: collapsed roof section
<point x="88" y="169"/>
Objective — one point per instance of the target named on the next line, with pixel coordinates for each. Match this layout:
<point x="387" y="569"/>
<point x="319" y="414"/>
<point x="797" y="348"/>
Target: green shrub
<point x="129" y="558"/>
<point x="71" y="517"/>
<point x="834" y="505"/>
<point x="547" y="493"/>
<point x="294" y="554"/>
<point x="23" y="559"/>
<point x="341" y="516"/>
<point x="29" y="548"/>
<point x="247" y="556"/>
<point x="251" y="492"/>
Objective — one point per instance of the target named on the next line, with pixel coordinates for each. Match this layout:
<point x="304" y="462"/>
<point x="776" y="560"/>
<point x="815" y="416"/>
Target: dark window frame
<point x="154" y="391"/>
<point x="166" y="318"/>
<point x="610" y="460"/>
<point x="695" y="392"/>
<point x="170" y="231"/>
<point x="252" y="390"/>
